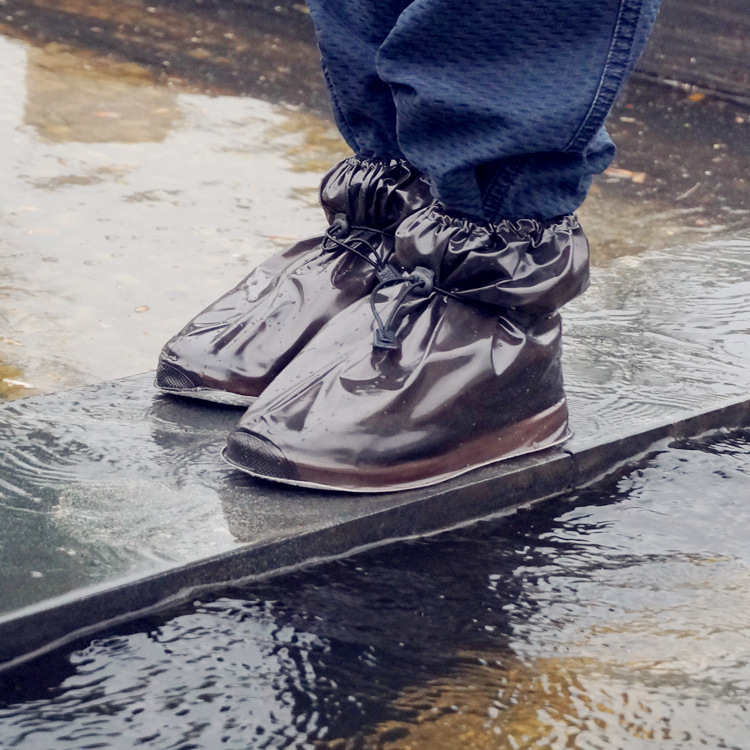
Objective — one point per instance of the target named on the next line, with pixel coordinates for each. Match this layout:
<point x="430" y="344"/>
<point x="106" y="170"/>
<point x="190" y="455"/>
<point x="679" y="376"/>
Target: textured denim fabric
<point x="501" y="104"/>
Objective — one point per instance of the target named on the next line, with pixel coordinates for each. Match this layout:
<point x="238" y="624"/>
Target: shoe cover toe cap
<point x="169" y="377"/>
<point x="258" y="455"/>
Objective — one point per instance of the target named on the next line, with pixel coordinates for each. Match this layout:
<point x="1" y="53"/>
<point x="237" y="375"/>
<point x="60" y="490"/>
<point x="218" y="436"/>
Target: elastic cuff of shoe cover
<point x="527" y="265"/>
<point x="258" y="456"/>
<point x="374" y="193"/>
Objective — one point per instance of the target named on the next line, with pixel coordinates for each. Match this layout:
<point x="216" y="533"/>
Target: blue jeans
<point x="501" y="103"/>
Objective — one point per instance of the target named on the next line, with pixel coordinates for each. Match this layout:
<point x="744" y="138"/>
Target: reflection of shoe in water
<point x="232" y="350"/>
<point x="452" y="366"/>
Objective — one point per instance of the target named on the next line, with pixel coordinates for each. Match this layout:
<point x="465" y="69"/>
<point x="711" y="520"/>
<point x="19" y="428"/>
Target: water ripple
<point x="658" y="333"/>
<point x="614" y="617"/>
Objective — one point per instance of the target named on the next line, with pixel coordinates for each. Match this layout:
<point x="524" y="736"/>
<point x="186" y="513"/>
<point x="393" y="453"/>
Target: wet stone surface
<point x="114" y="481"/>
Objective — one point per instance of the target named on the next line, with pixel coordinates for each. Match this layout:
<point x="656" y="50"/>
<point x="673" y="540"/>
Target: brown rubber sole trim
<point x="537" y="433"/>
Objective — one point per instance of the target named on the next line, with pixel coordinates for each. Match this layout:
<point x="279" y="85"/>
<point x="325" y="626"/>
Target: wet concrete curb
<point x="376" y="520"/>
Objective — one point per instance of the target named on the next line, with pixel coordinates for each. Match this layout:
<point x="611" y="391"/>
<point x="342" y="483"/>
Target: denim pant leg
<point x="350" y="33"/>
<point x="500" y="103"/>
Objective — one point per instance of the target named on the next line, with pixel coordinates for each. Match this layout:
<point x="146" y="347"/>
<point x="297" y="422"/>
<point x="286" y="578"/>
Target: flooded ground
<point x="117" y="481"/>
<point x="612" y="618"/>
<point x="153" y="154"/>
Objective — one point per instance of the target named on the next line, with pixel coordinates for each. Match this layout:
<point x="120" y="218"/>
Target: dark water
<point x="618" y="617"/>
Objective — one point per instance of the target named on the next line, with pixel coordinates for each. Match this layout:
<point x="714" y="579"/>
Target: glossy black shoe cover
<point x="451" y="367"/>
<point x="236" y="346"/>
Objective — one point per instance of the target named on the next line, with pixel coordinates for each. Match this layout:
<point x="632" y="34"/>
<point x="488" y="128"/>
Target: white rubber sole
<point x="210" y="394"/>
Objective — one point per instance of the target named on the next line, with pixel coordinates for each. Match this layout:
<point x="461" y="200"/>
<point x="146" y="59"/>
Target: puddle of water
<point x="73" y="96"/>
<point x="128" y="205"/>
<point x="12" y="383"/>
<point x="319" y="145"/>
<point x="657" y="333"/>
<point x="616" y="617"/>
<point x="261" y="49"/>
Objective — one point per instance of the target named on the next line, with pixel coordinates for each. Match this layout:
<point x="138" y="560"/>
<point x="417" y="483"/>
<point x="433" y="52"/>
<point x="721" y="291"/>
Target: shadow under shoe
<point x="233" y="349"/>
<point x="452" y="366"/>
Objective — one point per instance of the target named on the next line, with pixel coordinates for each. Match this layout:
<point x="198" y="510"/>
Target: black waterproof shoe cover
<point x="233" y="349"/>
<point x="454" y="366"/>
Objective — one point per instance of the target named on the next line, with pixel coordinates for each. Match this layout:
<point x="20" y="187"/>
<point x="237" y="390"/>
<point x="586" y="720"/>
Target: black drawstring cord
<point x="385" y="337"/>
<point x="338" y="235"/>
<point x="420" y="282"/>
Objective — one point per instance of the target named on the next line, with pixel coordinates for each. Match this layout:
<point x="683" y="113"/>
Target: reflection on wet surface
<point x="616" y="617"/>
<point x="658" y="332"/>
<point x="67" y="100"/>
<point x="262" y="49"/>
<point x="12" y="384"/>
<point x="126" y="205"/>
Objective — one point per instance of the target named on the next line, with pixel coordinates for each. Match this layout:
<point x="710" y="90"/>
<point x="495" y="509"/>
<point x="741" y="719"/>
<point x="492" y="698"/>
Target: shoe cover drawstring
<point x="338" y="234"/>
<point x="420" y="282"/>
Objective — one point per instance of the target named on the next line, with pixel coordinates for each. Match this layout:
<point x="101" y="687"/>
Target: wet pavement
<point x="130" y="200"/>
<point x="114" y="498"/>
<point x="608" y="618"/>
<point x="155" y="153"/>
